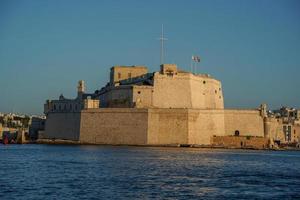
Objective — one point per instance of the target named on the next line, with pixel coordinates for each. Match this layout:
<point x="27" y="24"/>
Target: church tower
<point x="80" y="89"/>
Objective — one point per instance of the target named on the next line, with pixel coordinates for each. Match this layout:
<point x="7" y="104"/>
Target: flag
<point x="196" y="58"/>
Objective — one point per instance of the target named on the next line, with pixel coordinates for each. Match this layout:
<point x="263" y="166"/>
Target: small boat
<point x="5" y="140"/>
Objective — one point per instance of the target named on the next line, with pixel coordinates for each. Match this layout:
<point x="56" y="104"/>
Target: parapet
<point x="91" y="103"/>
<point x="118" y="73"/>
<point x="169" y="69"/>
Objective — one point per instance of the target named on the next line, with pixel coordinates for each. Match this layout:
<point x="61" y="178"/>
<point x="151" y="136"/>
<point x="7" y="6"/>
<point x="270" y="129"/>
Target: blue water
<point x="105" y="172"/>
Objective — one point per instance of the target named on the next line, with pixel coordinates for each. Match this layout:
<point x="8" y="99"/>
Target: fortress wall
<point x="206" y="93"/>
<point x="114" y="126"/>
<point x="142" y="96"/>
<point x="241" y="142"/>
<point x="204" y="124"/>
<point x="171" y="91"/>
<point x="185" y="90"/>
<point x="247" y="122"/>
<point x="62" y="126"/>
<point x="117" y="97"/>
<point x="197" y="92"/>
<point x="274" y="129"/>
<point x="118" y="73"/>
<point x="168" y="126"/>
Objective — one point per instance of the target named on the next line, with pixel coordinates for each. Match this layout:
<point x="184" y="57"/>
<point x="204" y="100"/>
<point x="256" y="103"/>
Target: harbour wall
<point x="114" y="126"/>
<point x="153" y="126"/>
<point x="63" y="125"/>
<point x="247" y="122"/>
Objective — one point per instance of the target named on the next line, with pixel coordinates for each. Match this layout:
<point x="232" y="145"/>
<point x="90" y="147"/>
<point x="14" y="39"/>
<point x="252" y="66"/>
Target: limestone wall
<point x="63" y="126"/>
<point x="118" y="73"/>
<point x="274" y="129"/>
<point x="142" y="96"/>
<point x="114" y="126"/>
<point x="247" y="122"/>
<point x="206" y="92"/>
<point x="167" y="126"/>
<point x="171" y="91"/>
<point x="241" y="142"/>
<point x="153" y="126"/>
<point x="203" y="124"/>
<point x="118" y="97"/>
<point x="185" y="90"/>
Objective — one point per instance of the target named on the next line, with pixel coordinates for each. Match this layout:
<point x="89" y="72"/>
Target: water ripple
<point x="103" y="172"/>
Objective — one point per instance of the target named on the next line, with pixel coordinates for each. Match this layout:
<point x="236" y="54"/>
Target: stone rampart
<point x="64" y="125"/>
<point x="185" y="90"/>
<point x="203" y="124"/>
<point x="240" y="142"/>
<point x="114" y="126"/>
<point x="246" y="122"/>
<point x="167" y="126"/>
<point x="152" y="126"/>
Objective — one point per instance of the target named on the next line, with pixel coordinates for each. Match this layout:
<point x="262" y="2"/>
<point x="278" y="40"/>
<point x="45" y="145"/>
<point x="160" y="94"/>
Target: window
<point x="129" y="75"/>
<point x="65" y="107"/>
<point x="204" y="82"/>
<point x="54" y="107"/>
<point x="119" y="75"/>
<point x="139" y="92"/>
<point x="215" y="91"/>
<point x="237" y="133"/>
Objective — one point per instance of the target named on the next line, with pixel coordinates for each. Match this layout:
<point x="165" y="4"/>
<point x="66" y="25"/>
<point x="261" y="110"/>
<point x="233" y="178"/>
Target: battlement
<point x="118" y="73"/>
<point x="169" y="69"/>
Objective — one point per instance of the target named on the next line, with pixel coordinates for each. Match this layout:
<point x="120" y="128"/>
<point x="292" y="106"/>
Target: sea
<point x="36" y="171"/>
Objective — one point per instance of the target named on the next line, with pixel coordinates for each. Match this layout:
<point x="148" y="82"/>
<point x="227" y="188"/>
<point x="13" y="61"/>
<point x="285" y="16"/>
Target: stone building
<point x="283" y="126"/>
<point x="82" y="101"/>
<point x="169" y="88"/>
<point x="168" y="107"/>
<point x="37" y="124"/>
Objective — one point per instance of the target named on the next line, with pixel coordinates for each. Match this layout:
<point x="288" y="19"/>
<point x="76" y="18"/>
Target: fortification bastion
<point x="168" y="107"/>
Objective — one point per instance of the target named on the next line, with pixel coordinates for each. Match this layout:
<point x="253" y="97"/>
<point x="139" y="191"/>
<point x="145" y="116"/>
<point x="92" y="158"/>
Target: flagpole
<point x="162" y="49"/>
<point x="192" y="64"/>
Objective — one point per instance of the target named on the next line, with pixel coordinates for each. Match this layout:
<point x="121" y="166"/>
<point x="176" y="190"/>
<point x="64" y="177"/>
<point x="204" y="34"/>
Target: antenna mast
<point x="162" y="39"/>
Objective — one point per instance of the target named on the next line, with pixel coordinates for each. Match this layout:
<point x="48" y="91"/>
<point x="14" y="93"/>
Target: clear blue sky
<point x="46" y="46"/>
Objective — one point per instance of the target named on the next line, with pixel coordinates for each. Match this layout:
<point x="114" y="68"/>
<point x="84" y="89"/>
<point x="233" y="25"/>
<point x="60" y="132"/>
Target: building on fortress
<point x="168" y="107"/>
<point x="131" y="87"/>
<point x="82" y="101"/>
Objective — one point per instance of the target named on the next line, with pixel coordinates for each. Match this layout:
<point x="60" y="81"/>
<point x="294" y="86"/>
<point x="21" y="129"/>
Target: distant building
<point x="37" y="124"/>
<point x="82" y="101"/>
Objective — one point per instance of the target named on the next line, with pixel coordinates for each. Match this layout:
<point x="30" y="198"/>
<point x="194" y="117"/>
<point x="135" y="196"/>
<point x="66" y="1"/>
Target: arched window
<point x="237" y="133"/>
<point x="54" y="107"/>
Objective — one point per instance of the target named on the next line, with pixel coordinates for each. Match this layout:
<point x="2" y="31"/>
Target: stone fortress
<point x="169" y="107"/>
